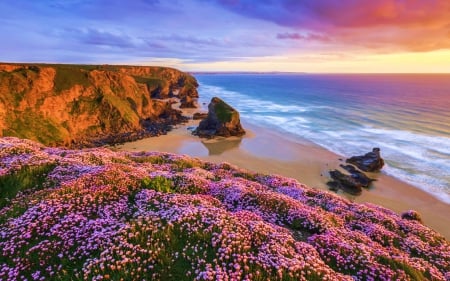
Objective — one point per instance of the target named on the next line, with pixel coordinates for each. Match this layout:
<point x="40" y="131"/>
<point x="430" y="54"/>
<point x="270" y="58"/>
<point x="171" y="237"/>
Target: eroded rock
<point x="221" y="120"/>
<point x="369" y="162"/>
<point x="344" y="182"/>
<point x="359" y="176"/>
<point x="187" y="102"/>
<point x="199" y="115"/>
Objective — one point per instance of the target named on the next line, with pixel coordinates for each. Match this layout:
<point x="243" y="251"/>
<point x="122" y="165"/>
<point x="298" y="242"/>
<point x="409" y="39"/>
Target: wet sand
<point x="268" y="152"/>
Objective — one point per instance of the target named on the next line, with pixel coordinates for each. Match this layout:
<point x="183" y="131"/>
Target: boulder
<point x="199" y="116"/>
<point x="369" y="162"/>
<point x="222" y="120"/>
<point x="344" y="182"/>
<point x="358" y="175"/>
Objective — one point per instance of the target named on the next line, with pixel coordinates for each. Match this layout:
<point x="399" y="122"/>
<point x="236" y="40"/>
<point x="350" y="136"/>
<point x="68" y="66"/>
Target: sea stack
<point x="222" y="120"/>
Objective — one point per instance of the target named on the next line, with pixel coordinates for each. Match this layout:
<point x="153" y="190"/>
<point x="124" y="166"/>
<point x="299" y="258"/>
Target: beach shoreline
<point x="265" y="151"/>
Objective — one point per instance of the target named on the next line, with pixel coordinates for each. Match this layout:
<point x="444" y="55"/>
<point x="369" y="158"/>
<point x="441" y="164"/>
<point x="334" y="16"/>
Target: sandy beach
<point x="267" y="152"/>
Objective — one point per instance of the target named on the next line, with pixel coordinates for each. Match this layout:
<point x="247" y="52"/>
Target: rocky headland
<point x="91" y="105"/>
<point x="95" y="214"/>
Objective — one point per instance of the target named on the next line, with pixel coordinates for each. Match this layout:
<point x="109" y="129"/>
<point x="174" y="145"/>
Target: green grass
<point x="150" y="82"/>
<point x="224" y="112"/>
<point x="183" y="164"/>
<point x="26" y="178"/>
<point x="179" y="164"/>
<point x="245" y="175"/>
<point x="159" y="183"/>
<point x="411" y="272"/>
<point x="86" y="104"/>
<point x="123" y="107"/>
<point x="158" y="160"/>
<point x="68" y="76"/>
<point x="31" y="125"/>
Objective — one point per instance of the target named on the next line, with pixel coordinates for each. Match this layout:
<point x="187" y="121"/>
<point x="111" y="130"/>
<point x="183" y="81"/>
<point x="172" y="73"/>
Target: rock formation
<point x="87" y="105"/>
<point x="187" y="102"/>
<point x="199" y="115"/>
<point x="351" y="183"/>
<point x="355" y="179"/>
<point x="222" y="120"/>
<point x="358" y="175"/>
<point x="369" y="162"/>
<point x="344" y="182"/>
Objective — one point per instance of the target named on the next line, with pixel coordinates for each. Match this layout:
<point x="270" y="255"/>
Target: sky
<point x="325" y="36"/>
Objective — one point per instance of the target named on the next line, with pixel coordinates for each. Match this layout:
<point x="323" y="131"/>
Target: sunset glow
<point x="223" y="35"/>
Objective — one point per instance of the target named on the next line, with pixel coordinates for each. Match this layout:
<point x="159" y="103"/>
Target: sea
<point x="406" y="115"/>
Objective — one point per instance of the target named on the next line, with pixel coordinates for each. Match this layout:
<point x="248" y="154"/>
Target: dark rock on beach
<point x="221" y="120"/>
<point x="344" y="182"/>
<point x="369" y="162"/>
<point x="358" y="175"/>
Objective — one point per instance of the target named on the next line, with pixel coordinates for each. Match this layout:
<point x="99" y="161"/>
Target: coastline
<point x="267" y="152"/>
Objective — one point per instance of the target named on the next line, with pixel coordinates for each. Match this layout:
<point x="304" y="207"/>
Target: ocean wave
<point x="416" y="158"/>
<point x="245" y="103"/>
<point x="429" y="184"/>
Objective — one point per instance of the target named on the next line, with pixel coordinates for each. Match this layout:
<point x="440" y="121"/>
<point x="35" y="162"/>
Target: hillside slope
<point x="77" y="105"/>
<point x="95" y="214"/>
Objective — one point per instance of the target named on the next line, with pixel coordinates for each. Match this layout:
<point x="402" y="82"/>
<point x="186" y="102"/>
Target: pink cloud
<point x="390" y="24"/>
<point x="307" y="37"/>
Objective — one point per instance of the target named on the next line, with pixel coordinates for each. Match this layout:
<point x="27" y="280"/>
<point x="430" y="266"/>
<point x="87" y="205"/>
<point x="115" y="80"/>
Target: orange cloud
<point x="387" y="25"/>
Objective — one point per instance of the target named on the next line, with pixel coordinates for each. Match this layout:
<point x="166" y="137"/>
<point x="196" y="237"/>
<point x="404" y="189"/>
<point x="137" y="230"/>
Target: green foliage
<point x="26" y="178"/>
<point x="150" y="82"/>
<point x="149" y="159"/>
<point x="395" y="264"/>
<point x="122" y="106"/>
<point x="18" y="97"/>
<point x="31" y="125"/>
<point x="245" y="175"/>
<point x="224" y="112"/>
<point x="183" y="164"/>
<point x="158" y="183"/>
<point x="68" y="76"/>
<point x="89" y="104"/>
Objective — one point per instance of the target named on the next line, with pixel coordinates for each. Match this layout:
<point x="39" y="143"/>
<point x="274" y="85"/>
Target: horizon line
<point x="231" y="71"/>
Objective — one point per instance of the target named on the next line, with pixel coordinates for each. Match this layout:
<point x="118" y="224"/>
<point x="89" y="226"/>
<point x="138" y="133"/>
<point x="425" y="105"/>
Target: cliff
<point x="94" y="214"/>
<point x="84" y="105"/>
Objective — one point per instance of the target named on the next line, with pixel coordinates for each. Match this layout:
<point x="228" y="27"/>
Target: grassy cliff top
<point x="99" y="215"/>
<point x="60" y="104"/>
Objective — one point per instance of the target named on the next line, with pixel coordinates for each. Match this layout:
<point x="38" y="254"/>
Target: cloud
<point x="403" y="24"/>
<point x="101" y="38"/>
<point x="307" y="37"/>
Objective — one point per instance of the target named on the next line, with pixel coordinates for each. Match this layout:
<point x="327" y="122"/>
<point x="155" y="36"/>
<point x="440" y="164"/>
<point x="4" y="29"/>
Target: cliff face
<point x="85" y="104"/>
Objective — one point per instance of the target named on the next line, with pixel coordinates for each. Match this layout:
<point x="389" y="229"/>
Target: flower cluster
<point x="96" y="214"/>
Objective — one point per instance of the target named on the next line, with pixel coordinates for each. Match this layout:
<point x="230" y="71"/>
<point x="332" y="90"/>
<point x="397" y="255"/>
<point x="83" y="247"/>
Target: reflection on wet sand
<point x="217" y="147"/>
